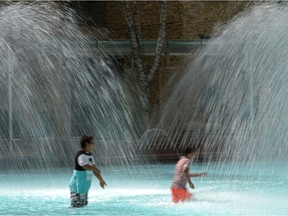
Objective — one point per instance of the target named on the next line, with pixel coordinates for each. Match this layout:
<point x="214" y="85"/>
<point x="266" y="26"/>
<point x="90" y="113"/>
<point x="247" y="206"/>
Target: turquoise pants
<point x="80" y="181"/>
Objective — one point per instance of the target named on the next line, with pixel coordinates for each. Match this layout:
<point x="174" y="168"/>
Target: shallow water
<point x="144" y="190"/>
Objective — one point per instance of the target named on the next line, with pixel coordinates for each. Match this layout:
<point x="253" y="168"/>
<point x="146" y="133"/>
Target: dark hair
<point x="84" y="140"/>
<point x="189" y="150"/>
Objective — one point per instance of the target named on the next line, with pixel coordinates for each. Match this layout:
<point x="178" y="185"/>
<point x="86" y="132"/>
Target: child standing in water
<point x="182" y="176"/>
<point x="80" y="182"/>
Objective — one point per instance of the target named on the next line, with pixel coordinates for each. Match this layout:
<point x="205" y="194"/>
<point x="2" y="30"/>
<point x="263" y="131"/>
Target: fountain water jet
<point x="54" y="88"/>
<point x="234" y="92"/>
<point x="145" y="191"/>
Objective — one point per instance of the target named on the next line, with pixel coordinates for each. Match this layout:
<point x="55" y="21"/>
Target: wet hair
<point x="84" y="140"/>
<point x="189" y="150"/>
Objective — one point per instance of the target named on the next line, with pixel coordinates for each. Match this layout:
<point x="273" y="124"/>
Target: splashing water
<point x="55" y="88"/>
<point x="149" y="194"/>
<point x="239" y="92"/>
<point x="233" y="98"/>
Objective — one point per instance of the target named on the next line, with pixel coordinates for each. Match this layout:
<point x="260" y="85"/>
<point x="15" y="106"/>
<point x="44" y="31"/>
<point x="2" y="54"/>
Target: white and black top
<point x="83" y="158"/>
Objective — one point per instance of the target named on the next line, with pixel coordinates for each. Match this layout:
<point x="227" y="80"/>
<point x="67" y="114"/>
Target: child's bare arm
<point x="197" y="174"/>
<point x="101" y="180"/>
<point x="92" y="168"/>
<point x="187" y="176"/>
<point x="96" y="172"/>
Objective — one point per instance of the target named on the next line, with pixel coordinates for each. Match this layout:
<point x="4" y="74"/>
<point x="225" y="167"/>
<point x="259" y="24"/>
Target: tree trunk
<point x="139" y="34"/>
<point x="138" y="50"/>
<point x="135" y="34"/>
<point x="134" y="38"/>
<point x="160" y="42"/>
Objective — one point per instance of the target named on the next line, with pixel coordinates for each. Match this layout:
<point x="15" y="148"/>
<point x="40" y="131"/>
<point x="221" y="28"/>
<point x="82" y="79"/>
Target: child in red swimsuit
<point x="182" y="176"/>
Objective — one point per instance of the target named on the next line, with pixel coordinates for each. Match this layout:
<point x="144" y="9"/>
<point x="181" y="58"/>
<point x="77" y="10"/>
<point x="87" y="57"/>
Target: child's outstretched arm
<point x="96" y="172"/>
<point x="197" y="174"/>
<point x="101" y="180"/>
<point x="187" y="176"/>
<point x="92" y="168"/>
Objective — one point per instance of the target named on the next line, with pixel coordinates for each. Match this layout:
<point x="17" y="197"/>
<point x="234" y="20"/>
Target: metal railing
<point x="170" y="48"/>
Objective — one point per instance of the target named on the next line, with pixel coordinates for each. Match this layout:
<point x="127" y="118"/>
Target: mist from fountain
<point x="232" y="100"/>
<point x="55" y="86"/>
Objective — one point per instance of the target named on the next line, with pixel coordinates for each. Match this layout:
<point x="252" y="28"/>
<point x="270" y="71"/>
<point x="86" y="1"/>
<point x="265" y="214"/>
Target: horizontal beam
<point x="151" y="43"/>
<point x="170" y="48"/>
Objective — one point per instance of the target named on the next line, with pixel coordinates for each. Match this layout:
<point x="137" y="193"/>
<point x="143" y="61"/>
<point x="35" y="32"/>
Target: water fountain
<point x="54" y="88"/>
<point x="234" y="91"/>
<point x="241" y="96"/>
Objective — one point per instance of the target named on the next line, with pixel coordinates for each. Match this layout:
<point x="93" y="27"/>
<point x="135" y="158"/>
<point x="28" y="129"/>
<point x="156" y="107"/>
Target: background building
<point x="189" y="25"/>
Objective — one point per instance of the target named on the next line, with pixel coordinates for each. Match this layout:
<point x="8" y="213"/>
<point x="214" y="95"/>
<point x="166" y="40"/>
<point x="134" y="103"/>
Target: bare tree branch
<point x="135" y="33"/>
<point x="139" y="34"/>
<point x="135" y="48"/>
<point x="161" y="40"/>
